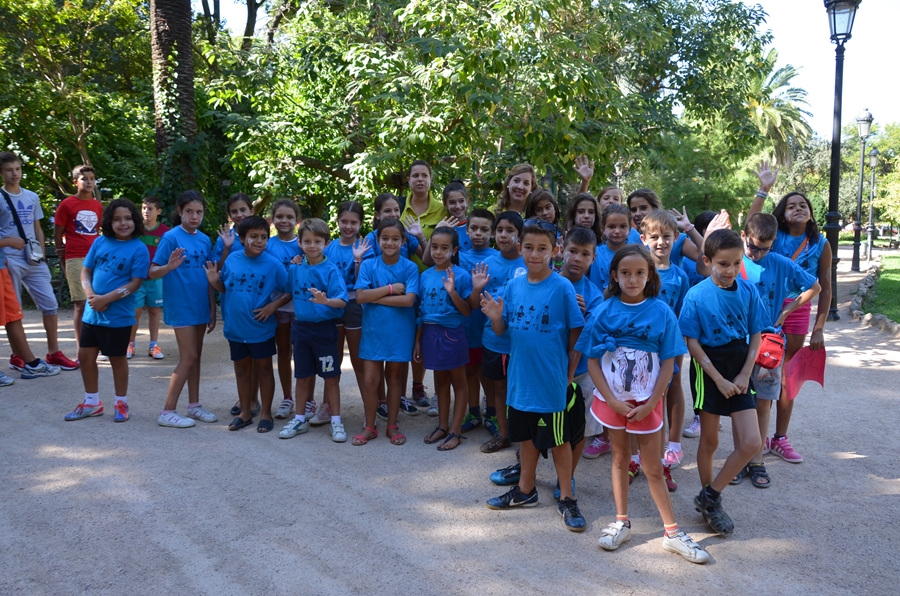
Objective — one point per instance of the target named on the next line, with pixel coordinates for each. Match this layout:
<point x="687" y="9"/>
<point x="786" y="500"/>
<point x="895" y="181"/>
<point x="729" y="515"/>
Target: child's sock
<point x="636" y="458"/>
<point x="712" y="493"/>
<point x="193" y="406"/>
<point x="152" y="344"/>
<point x="671" y="529"/>
<point x="624" y="519"/>
<point x="419" y="386"/>
<point x="300" y="417"/>
<point x="476" y="411"/>
<point x="674" y="446"/>
<point x="34" y="363"/>
<point x="490" y="412"/>
<point x="122" y="398"/>
<point x="779" y="437"/>
<point x="91" y="399"/>
<point x="335" y="419"/>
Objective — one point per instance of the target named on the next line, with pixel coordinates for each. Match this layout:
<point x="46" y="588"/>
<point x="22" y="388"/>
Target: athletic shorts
<point x="10" y="309"/>
<point x="586" y="384"/>
<point x="112" y="341"/>
<point x="73" y="277"/>
<point x="728" y="360"/>
<point x="38" y="282"/>
<point x="797" y="323"/>
<point x="766" y="382"/>
<point x="150" y="294"/>
<point x="494" y="364"/>
<point x="284" y="317"/>
<point x="352" y="317"/>
<point x="257" y="351"/>
<point x="576" y="417"/>
<point x="444" y="348"/>
<point x="650" y="424"/>
<point x="475" y="357"/>
<point x="545" y="429"/>
<point x="315" y="349"/>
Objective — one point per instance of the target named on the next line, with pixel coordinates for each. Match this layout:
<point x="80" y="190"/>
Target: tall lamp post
<point x="841" y="14"/>
<point x="873" y="163"/>
<point x="864" y="121"/>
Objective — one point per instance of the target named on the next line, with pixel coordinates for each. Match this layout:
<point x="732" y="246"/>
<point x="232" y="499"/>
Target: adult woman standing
<point x="519" y="183"/>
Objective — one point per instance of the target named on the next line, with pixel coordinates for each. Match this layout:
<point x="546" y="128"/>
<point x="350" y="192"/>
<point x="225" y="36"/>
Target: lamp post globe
<point x="864" y="122"/>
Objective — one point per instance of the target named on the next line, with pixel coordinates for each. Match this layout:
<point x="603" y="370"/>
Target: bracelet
<point x="357" y="262"/>
<point x="762" y="194"/>
<point x="390" y="289"/>
<point x="688" y="228"/>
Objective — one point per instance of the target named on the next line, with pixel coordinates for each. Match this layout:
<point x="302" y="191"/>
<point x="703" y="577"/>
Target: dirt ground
<point x="93" y="506"/>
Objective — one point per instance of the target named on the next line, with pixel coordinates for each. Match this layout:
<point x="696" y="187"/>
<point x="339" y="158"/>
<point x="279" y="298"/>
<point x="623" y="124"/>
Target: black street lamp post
<point x="864" y="121"/>
<point x="873" y="163"/>
<point x="841" y="14"/>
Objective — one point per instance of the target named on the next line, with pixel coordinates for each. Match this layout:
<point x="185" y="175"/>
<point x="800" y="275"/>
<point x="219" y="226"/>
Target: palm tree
<point x="777" y="108"/>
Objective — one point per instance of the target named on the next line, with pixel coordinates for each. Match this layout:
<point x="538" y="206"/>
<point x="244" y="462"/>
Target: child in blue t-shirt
<point x="319" y="297"/>
<point x="179" y="260"/>
<point x="456" y="201"/>
<point x="492" y="276"/>
<point x="718" y="315"/>
<point x="114" y="269"/>
<point x="238" y="207"/>
<point x="616" y="222"/>
<point x="539" y="313"/>
<point x="285" y="247"/>
<point x="775" y="276"/>
<point x="444" y="291"/>
<point x="632" y="345"/>
<point x="387" y="287"/>
<point x="387" y="206"/>
<point x="248" y="281"/>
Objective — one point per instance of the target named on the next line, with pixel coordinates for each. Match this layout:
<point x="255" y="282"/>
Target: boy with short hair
<point x="718" y="315"/>
<point x="319" y="293"/>
<point x="247" y="281"/>
<point x="35" y="276"/>
<point x="150" y="293"/>
<point x="541" y="314"/>
<point x="77" y="222"/>
<point x="775" y="277"/>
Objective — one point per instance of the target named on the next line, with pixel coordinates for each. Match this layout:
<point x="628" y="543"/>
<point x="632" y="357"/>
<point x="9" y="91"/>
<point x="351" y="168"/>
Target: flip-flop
<point x="447" y="439"/>
<point x="362" y="439"/>
<point x="239" y="423"/>
<point x="398" y="438"/>
<point x="429" y="440"/>
<point x="264" y="426"/>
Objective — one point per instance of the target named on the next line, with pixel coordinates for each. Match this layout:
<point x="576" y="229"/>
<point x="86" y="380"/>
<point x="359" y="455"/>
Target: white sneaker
<point x="200" y="413"/>
<point x="285" y="409"/>
<point x="682" y="544"/>
<point x="338" y="434"/>
<point x="693" y="429"/>
<point x="101" y="357"/>
<point x="433" y="411"/>
<point x="614" y="535"/>
<point x="175" y="420"/>
<point x="294" y="428"/>
<point x="309" y="409"/>
<point x="323" y="416"/>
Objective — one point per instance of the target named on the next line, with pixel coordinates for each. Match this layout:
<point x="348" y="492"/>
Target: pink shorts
<point x="610" y="419"/>
<point x="797" y="323"/>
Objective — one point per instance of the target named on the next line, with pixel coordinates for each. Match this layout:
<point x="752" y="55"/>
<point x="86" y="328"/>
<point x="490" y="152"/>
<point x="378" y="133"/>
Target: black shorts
<point x="728" y="360"/>
<point x="545" y="429"/>
<point x="112" y="341"/>
<point x="577" y="418"/>
<point x="315" y="349"/>
<point x="494" y="364"/>
<point x="352" y="317"/>
<point x="257" y="351"/>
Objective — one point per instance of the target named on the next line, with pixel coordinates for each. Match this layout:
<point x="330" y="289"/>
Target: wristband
<point x="689" y="227"/>
<point x="357" y="262"/>
<point x="762" y="194"/>
<point x="390" y="289"/>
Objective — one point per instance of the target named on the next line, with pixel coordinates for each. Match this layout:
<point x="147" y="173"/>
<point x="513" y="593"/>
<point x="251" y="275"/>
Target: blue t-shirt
<point x="775" y="278"/>
<point x="808" y="259"/>
<point x="219" y="247"/>
<point x="674" y="286"/>
<point x="284" y="251"/>
<point x="407" y="249"/>
<point x="593" y="298"/>
<point x="115" y="263"/>
<point x="634" y="237"/>
<point x="464" y="242"/>
<point x="389" y="332"/>
<point x="715" y="316"/>
<point x="342" y="258"/>
<point x="502" y="271"/>
<point x="690" y="267"/>
<point x="187" y="285"/>
<point x="435" y="305"/>
<point x="325" y="277"/>
<point x="249" y="285"/>
<point x="539" y="317"/>
<point x="677" y="248"/>
<point x="599" y="271"/>
<point x="474" y="323"/>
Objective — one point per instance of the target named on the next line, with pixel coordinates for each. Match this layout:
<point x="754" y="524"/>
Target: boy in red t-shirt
<point x="150" y="293"/>
<point x="77" y="220"/>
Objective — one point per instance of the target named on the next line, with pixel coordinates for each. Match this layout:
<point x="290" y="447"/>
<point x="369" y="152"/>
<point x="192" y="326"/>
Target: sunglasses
<point x="756" y="249"/>
<point x="532" y="221"/>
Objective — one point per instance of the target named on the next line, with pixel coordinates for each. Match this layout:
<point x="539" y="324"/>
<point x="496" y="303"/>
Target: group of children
<point x="605" y="307"/>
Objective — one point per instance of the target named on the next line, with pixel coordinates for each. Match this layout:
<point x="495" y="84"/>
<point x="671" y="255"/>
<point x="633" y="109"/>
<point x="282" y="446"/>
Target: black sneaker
<point x="568" y="508"/>
<point x="713" y="513"/>
<point x="407" y="407"/>
<point x="507" y="476"/>
<point x="381" y="412"/>
<point x="514" y="498"/>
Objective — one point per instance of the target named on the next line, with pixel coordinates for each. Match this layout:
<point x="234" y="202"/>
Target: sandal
<point x="397" y="438"/>
<point x="443" y="446"/>
<point x="239" y="423"/>
<point x="362" y="439"/>
<point x="740" y="476"/>
<point x="758" y="475"/>
<point x="713" y="513"/>
<point x="430" y="440"/>
<point x="265" y="426"/>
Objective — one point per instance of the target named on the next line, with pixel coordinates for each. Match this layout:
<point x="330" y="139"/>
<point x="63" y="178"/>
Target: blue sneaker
<point x="470" y="422"/>
<point x="508" y="475"/>
<point x="514" y="498"/>
<point x="491" y="425"/>
<point x="41" y="370"/>
<point x="6" y="380"/>
<point x="381" y="412"/>
<point x="122" y="412"/>
<point x="83" y="410"/>
<point x="556" y="492"/>
<point x="568" y="508"/>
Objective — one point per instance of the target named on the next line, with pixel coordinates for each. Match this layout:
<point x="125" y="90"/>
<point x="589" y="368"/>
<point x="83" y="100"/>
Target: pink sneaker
<point x="782" y="448"/>
<point x="672" y="457"/>
<point x="598" y="447"/>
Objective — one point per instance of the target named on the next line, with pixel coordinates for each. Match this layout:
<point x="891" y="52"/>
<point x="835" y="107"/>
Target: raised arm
<point x="767" y="177"/>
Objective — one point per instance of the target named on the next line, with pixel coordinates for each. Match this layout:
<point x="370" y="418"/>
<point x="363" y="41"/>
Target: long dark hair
<point x="812" y="228"/>
<point x="584" y="197"/>
<point x="454" y="240"/>
<point x="110" y="211"/>
<point x="651" y="290"/>
<point x="188" y="196"/>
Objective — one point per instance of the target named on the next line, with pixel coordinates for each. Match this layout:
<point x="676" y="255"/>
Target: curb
<point x="880" y="322"/>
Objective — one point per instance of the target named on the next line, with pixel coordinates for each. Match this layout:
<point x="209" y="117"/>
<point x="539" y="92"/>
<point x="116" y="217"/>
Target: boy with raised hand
<point x="540" y="314"/>
<point x="718" y="315"/>
<point x="775" y="277"/>
<point x="34" y="275"/>
<point x="150" y="293"/>
<point x="76" y="226"/>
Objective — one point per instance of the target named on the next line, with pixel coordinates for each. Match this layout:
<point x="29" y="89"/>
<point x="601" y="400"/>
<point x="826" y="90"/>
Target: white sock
<point x="636" y="458"/>
<point x="92" y="399"/>
<point x="335" y="419"/>
<point x="300" y="417"/>
<point x="674" y="446"/>
<point x="122" y="398"/>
